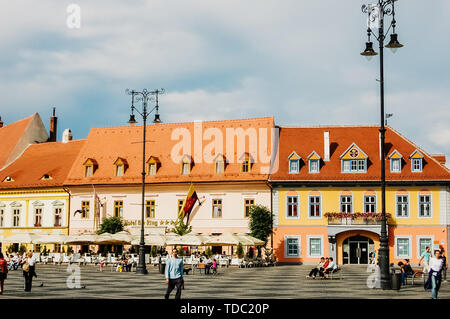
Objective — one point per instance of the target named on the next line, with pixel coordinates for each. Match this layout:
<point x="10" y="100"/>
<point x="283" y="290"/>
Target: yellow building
<point x="329" y="203"/>
<point x="32" y="196"/>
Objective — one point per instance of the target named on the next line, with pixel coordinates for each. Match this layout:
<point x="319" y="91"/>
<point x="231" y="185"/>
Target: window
<point x="346" y="204"/>
<point x="245" y="166"/>
<point x="370" y="204"/>
<point x="294" y="166"/>
<point x="396" y="165"/>
<point x="248" y="203"/>
<point x="58" y="215"/>
<point x="292" y="247"/>
<point x="89" y="170"/>
<point x="85" y="209"/>
<point x="16" y="217"/>
<point x="314" y="206"/>
<point x="416" y="165"/>
<point x="118" y="208"/>
<point x="2" y="216"/>
<point x="150" y="209"/>
<point x="292" y="207"/>
<point x="180" y="205"/>
<point x="423" y="244"/>
<point x="186" y="168"/>
<point x="314" y="247"/>
<point x="424" y="205"/>
<point x="119" y="170"/>
<point x="38" y="217"/>
<point x="152" y="169"/>
<point x="403" y="247"/>
<point x="402" y="206"/>
<point x="354" y="166"/>
<point x="217" y="208"/>
<point x="314" y="166"/>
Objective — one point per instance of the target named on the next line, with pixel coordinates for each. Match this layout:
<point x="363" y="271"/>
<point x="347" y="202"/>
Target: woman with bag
<point x="28" y="270"/>
<point x="3" y="271"/>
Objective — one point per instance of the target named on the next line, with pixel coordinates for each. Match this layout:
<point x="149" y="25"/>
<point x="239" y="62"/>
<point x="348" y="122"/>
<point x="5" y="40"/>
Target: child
<point x="214" y="266"/>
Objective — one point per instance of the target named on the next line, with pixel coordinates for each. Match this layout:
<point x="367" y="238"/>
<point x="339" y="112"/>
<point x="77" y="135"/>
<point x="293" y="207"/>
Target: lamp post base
<point x="141" y="269"/>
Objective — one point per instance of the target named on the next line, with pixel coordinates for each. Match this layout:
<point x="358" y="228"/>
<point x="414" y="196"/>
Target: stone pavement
<point x="285" y="282"/>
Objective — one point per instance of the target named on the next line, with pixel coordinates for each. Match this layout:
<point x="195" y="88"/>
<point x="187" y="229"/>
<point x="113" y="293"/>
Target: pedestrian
<point x="3" y="271"/>
<point x="426" y="259"/>
<point x="435" y="274"/>
<point x="28" y="268"/>
<point x="174" y="274"/>
<point x="444" y="266"/>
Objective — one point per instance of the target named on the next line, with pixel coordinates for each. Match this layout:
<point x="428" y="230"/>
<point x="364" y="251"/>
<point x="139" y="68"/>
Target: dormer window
<point x="186" y="165"/>
<point x="294" y="163"/>
<point x="46" y="177"/>
<point x="396" y="161"/>
<point x="416" y="161"/>
<point x="219" y="164"/>
<point x="314" y="162"/>
<point x="246" y="161"/>
<point x="90" y="166"/>
<point x="153" y="164"/>
<point x="8" y="179"/>
<point x="121" y="166"/>
<point x="354" y="160"/>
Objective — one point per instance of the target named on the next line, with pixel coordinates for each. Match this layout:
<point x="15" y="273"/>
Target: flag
<point x="189" y="203"/>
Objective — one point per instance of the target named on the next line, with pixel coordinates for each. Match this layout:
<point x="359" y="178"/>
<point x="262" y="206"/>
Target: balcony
<point x="354" y="218"/>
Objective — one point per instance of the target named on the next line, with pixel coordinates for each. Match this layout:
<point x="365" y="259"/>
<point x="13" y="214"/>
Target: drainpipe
<point x="271" y="211"/>
<point x="68" y="210"/>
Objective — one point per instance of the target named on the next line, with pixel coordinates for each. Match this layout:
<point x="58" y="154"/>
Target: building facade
<point x="327" y="197"/>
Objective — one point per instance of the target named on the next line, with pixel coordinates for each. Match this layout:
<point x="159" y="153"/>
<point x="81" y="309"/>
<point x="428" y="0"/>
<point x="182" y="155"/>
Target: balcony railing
<point x="355" y="218"/>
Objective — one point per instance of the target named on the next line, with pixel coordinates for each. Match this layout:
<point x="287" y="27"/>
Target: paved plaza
<point x="285" y="282"/>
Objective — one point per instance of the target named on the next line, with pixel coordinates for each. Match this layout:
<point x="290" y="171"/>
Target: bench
<point x="187" y="269"/>
<point x="336" y="273"/>
<point x="417" y="274"/>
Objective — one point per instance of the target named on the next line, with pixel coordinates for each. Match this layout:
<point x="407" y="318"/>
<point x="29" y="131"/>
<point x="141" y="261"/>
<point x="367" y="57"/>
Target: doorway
<point x="356" y="250"/>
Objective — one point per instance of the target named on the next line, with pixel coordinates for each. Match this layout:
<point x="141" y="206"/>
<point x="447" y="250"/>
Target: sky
<point x="296" y="60"/>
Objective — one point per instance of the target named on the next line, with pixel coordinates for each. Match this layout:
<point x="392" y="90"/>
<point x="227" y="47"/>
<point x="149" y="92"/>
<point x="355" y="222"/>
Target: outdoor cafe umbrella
<point x="249" y="239"/>
<point x="23" y="238"/>
<point x="51" y="239"/>
<point x="150" y="240"/>
<point x="225" y="239"/>
<point x="82" y="239"/>
<point x="114" y="239"/>
<point x="186" y="240"/>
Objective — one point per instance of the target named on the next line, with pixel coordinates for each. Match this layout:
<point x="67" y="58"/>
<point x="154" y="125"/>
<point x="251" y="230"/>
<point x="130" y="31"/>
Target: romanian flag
<point x="189" y="203"/>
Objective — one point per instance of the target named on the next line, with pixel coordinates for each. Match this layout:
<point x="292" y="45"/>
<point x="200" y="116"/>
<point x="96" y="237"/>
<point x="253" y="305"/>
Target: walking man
<point x="174" y="274"/>
<point x="434" y="276"/>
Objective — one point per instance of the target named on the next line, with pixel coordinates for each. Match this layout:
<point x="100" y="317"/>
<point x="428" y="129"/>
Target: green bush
<point x="208" y="252"/>
<point x="22" y="249"/>
<point x="111" y="225"/>
<point x="154" y="251"/>
<point x="240" y="251"/>
<point x="261" y="220"/>
<point x="180" y="251"/>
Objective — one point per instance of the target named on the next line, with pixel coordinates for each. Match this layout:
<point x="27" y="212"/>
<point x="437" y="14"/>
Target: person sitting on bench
<point x="315" y="270"/>
<point x="406" y="270"/>
<point x="329" y="269"/>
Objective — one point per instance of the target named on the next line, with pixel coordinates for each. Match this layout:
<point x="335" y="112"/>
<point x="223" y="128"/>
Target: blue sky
<point x="296" y="60"/>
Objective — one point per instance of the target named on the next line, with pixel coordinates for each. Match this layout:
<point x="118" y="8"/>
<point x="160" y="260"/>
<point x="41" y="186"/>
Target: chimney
<point x="67" y="136"/>
<point x="440" y="158"/>
<point x="326" y="146"/>
<point x="53" y="127"/>
<point x="1" y="122"/>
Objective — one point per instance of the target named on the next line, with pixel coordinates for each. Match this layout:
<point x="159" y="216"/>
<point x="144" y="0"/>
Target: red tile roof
<point x="304" y="140"/>
<point x="10" y="136"/>
<point x="105" y="145"/>
<point x="54" y="159"/>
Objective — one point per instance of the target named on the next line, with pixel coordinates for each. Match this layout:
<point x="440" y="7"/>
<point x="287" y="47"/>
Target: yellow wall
<point x="330" y="200"/>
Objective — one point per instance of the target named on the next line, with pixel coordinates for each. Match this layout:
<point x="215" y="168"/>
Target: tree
<point x="261" y="219"/>
<point x="240" y="251"/>
<point x="181" y="228"/>
<point x="111" y="225"/>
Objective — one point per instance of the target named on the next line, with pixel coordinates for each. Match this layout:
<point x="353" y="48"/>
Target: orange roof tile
<point x="304" y="140"/>
<point x="54" y="159"/>
<point x="9" y="137"/>
<point x="105" y="145"/>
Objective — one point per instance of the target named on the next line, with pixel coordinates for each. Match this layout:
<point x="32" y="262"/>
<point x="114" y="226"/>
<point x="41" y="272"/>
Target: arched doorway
<point x="356" y="250"/>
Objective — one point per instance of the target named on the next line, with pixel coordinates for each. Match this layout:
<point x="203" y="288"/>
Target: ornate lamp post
<point x="376" y="13"/>
<point x="143" y="96"/>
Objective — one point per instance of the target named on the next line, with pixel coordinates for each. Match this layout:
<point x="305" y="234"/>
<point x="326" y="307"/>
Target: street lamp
<point x="143" y="96"/>
<point x="376" y="13"/>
